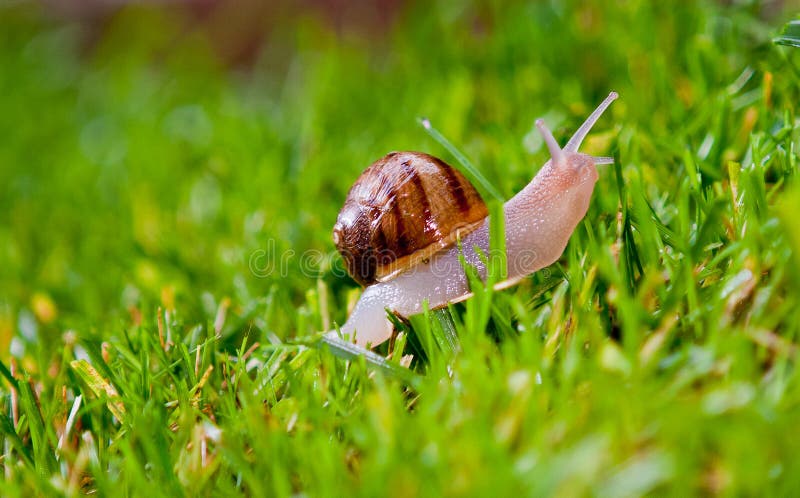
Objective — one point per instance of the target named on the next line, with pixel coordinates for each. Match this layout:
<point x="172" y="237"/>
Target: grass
<point x="165" y="258"/>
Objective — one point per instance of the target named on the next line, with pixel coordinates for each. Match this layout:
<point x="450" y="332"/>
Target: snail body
<point x="401" y="275"/>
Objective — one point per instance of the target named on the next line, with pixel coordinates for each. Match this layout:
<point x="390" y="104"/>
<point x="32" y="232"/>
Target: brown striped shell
<point x="404" y="208"/>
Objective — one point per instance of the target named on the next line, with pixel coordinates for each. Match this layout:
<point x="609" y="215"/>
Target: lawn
<point x="166" y="259"/>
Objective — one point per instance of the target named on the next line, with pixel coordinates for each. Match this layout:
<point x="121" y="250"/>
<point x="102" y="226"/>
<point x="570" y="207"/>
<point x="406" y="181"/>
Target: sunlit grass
<point x="166" y="259"/>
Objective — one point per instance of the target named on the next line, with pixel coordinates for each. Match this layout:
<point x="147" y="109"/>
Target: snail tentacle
<point x="552" y="145"/>
<point x="598" y="160"/>
<point x="575" y="142"/>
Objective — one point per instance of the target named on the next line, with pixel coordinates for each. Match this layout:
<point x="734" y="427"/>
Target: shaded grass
<point x="143" y="191"/>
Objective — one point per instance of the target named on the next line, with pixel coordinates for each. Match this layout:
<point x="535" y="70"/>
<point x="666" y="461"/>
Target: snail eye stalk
<point x="576" y="140"/>
<point x="555" y="151"/>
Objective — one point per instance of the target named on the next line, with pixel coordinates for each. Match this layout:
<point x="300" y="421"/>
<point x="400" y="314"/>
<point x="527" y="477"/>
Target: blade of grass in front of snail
<point x="790" y="36"/>
<point x="497" y="264"/>
<point x="441" y="328"/>
<point x="347" y="351"/>
<point x="435" y="332"/>
<point x="469" y="169"/>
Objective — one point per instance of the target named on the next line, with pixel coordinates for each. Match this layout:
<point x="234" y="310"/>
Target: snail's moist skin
<point x="539" y="222"/>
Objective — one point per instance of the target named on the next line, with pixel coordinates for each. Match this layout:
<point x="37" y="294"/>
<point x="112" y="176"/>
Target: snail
<point x="402" y="219"/>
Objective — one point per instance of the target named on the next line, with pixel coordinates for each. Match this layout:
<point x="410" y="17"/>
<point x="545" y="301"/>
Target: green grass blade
<point x="484" y="186"/>
<point x="7" y="429"/>
<point x="351" y="352"/>
<point x="790" y="35"/>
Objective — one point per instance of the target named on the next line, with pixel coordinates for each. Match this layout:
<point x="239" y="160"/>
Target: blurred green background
<point x="173" y="155"/>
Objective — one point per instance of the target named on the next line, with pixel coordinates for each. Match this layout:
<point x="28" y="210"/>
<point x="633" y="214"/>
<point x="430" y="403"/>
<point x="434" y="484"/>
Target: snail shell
<point x="404" y="208"/>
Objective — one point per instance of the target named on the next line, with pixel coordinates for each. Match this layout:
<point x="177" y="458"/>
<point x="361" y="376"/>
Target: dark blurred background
<point x="238" y="29"/>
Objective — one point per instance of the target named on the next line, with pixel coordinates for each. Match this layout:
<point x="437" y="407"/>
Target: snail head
<point x="572" y="166"/>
